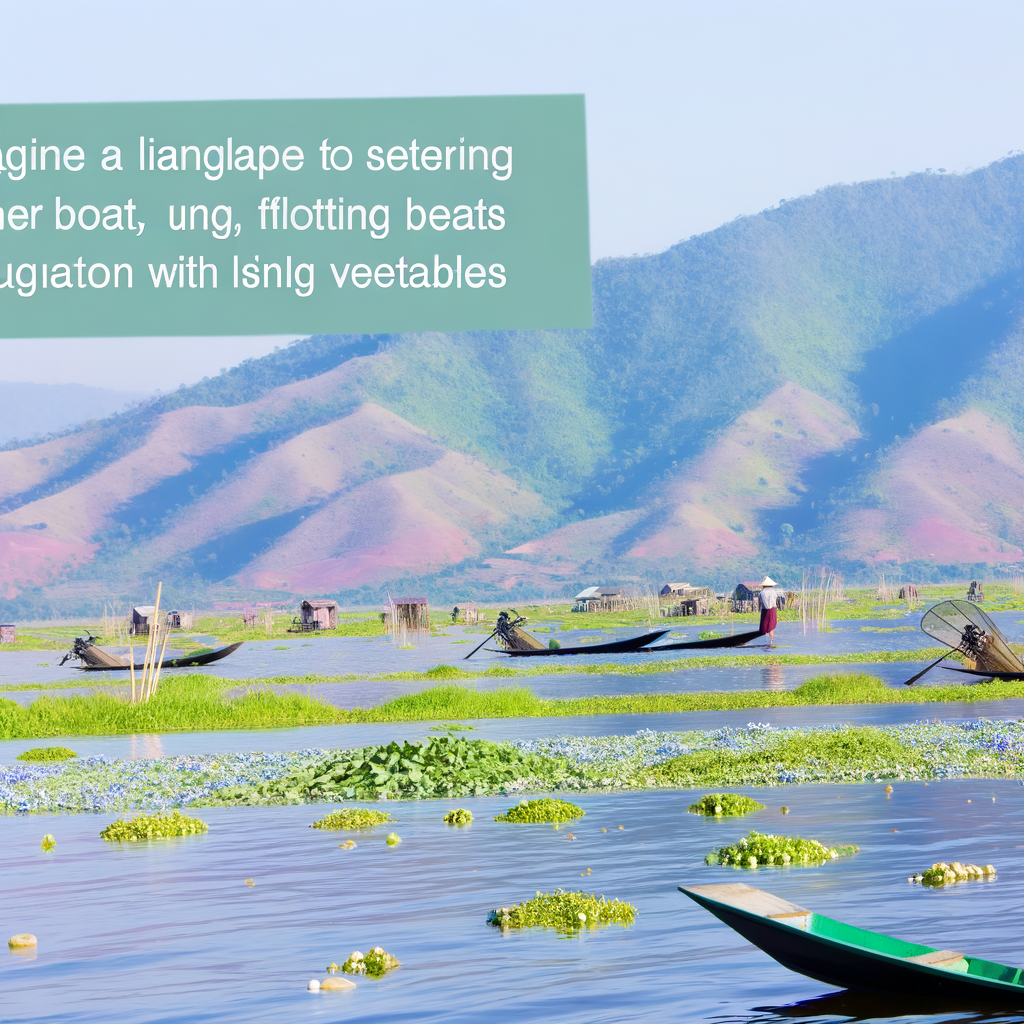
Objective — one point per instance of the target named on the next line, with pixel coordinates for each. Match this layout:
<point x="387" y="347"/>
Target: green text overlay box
<point x="305" y="216"/>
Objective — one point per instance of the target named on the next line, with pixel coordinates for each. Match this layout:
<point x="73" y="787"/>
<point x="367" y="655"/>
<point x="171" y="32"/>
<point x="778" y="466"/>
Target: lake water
<point x="169" y="931"/>
<point x="357" y="655"/>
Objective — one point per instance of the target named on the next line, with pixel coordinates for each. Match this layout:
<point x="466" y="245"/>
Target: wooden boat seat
<point x="937" y="958"/>
<point x="755" y="901"/>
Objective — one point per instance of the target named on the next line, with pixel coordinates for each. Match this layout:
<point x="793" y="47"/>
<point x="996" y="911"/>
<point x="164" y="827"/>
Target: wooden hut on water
<point x="179" y="620"/>
<point x="411" y="613"/>
<point x="319" y="613"/>
<point x="744" y="598"/>
<point x="599" y="599"/>
<point x="142" y="619"/>
<point x="678" y="599"/>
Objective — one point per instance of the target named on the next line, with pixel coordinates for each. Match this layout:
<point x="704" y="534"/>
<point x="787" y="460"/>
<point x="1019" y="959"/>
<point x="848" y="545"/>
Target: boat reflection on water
<point x="851" y="1005"/>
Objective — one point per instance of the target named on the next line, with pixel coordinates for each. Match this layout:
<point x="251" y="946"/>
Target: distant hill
<point x="833" y="381"/>
<point x="30" y="411"/>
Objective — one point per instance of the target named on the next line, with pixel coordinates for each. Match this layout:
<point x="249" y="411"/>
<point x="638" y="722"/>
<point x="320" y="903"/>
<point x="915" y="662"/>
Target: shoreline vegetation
<point x="198" y="703"/>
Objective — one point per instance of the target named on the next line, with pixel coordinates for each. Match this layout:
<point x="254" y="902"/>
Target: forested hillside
<point x="836" y="380"/>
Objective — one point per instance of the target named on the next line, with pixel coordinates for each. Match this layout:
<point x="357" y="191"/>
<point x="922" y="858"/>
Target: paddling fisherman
<point x="767" y="600"/>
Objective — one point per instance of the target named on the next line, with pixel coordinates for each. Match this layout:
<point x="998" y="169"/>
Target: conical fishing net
<point x="966" y="628"/>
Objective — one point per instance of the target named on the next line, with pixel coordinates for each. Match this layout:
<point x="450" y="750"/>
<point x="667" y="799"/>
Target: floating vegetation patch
<point x="708" y="634"/>
<point x="453" y="726"/>
<point x="48" y="842"/>
<point x="543" y="810"/>
<point x="47" y="754"/>
<point x="373" y="965"/>
<point x="761" y="850"/>
<point x="718" y="804"/>
<point x="349" y="844"/>
<point x="565" y="912"/>
<point x="353" y="818"/>
<point x="393" y="839"/>
<point x="441" y="766"/>
<point x="152" y="826"/>
<point x="946" y="874"/>
<point x="460" y="816"/>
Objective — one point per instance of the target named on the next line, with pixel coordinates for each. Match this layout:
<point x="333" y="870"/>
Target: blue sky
<point x="697" y="112"/>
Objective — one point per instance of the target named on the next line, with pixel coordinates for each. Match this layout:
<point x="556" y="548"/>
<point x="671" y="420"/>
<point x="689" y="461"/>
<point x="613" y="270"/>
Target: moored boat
<point x="855" y="958"/>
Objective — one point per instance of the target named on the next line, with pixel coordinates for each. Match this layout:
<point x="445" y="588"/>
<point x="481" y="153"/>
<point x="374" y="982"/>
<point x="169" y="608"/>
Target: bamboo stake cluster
<point x="814" y="601"/>
<point x="153" y="662"/>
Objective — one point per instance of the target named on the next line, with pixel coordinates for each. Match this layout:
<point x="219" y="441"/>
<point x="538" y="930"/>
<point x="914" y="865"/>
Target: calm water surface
<point x="168" y="930"/>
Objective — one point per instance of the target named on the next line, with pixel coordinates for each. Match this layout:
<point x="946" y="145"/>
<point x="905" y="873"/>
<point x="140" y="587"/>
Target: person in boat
<point x="768" y="600"/>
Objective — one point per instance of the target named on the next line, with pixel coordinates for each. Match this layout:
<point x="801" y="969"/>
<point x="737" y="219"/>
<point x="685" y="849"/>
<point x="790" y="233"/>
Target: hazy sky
<point x="696" y="112"/>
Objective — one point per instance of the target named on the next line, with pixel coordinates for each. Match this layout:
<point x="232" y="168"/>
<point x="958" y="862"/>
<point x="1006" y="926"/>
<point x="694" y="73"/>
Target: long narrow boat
<point x="840" y="954"/>
<point x="719" y="641"/>
<point x="612" y="647"/>
<point x="93" y="659"/>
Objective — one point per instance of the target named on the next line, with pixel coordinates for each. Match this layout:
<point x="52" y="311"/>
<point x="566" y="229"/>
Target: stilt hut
<point x="319" y="613"/>
<point x="179" y="620"/>
<point x="678" y="599"/>
<point x="599" y="599"/>
<point x="142" y="619"/>
<point x="411" y="613"/>
<point x="8" y="634"/>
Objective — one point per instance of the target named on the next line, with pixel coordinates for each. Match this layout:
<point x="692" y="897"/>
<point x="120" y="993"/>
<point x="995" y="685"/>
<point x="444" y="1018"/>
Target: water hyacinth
<point x="353" y="818"/>
<point x="565" y="912"/>
<point x="759" y="850"/>
<point x="715" y="805"/>
<point x="47" y="754"/>
<point x="541" y="811"/>
<point x="152" y="826"/>
<point x="460" y="816"/>
<point x="946" y="874"/>
<point x="373" y="965"/>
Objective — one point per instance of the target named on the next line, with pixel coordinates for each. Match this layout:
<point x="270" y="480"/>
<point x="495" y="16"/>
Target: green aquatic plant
<point x="48" y="842"/>
<point x="554" y="645"/>
<point x="543" y="810"/>
<point x="566" y="912"/>
<point x="353" y="818"/>
<point x="717" y="804"/>
<point x="393" y="839"/>
<point x="946" y="874"/>
<point x="47" y="754"/>
<point x="761" y="850"/>
<point x="152" y="826"/>
<point x="452" y="727"/>
<point x="373" y="965"/>
<point x="460" y="816"/>
<point x="707" y="634"/>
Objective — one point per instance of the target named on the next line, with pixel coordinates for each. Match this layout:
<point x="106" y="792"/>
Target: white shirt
<point x="768" y="597"/>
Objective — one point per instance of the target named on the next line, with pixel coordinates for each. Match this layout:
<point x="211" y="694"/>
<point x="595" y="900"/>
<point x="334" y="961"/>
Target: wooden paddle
<point x="914" y="679"/>
<point x="478" y="646"/>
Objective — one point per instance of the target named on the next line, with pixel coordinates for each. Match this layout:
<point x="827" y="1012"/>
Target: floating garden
<point x="152" y="826"/>
<point x="353" y="818"/>
<point x="451" y="767"/>
<point x="717" y="805"/>
<point x="528" y="812"/>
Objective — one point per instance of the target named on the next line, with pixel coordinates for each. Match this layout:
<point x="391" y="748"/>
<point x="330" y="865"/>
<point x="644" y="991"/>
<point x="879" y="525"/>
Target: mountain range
<point x="833" y="381"/>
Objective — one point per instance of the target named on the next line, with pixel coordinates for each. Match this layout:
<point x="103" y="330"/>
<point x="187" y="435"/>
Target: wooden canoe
<point x="612" y="647"/>
<point x="719" y="641"/>
<point x="855" y="958"/>
<point x="96" y="660"/>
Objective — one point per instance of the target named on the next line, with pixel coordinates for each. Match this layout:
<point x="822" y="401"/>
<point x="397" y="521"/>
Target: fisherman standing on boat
<point x="767" y="600"/>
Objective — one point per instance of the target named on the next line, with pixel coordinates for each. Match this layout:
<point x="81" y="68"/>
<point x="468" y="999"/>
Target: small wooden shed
<point x="142" y="619"/>
<point x="319" y="613"/>
<point x="599" y="599"/>
<point x="179" y="620"/>
<point x="8" y="634"/>
<point x="678" y="599"/>
<point x="744" y="598"/>
<point x="411" y="613"/>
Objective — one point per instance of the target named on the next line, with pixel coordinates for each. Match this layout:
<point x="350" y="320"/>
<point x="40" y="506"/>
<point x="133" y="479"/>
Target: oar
<point x="477" y="648"/>
<point x="914" y="679"/>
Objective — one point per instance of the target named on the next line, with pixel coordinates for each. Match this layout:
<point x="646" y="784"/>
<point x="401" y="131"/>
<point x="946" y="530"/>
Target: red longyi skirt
<point x="769" y="619"/>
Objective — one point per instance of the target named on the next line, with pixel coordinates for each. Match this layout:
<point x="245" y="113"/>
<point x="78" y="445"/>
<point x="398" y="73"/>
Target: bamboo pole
<point x="151" y="646"/>
<point x="160" y="662"/>
<point x="131" y="665"/>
